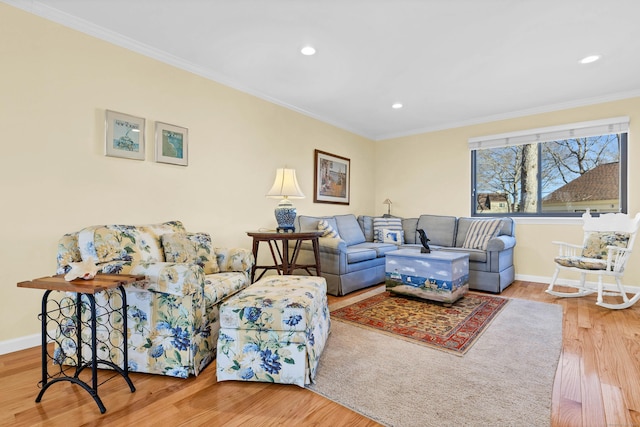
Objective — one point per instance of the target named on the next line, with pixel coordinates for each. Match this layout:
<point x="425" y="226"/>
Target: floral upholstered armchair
<point x="173" y="315"/>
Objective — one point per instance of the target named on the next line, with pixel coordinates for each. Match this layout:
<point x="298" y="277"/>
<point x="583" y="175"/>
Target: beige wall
<point x="430" y="173"/>
<point x="56" y="84"/>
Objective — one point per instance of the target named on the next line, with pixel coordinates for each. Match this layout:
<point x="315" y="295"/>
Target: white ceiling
<point x="450" y="62"/>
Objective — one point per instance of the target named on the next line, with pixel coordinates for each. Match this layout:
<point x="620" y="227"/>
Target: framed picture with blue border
<point x="172" y="144"/>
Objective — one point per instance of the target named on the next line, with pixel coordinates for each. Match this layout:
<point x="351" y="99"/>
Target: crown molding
<point x="515" y="114"/>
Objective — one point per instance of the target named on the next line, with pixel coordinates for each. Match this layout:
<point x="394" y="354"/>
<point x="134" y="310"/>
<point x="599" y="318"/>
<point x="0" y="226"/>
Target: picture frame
<point x="332" y="178"/>
<point x="124" y="135"/>
<point x="172" y="144"/>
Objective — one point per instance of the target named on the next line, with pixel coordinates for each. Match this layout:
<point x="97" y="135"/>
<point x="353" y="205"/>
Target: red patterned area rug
<point x="453" y="329"/>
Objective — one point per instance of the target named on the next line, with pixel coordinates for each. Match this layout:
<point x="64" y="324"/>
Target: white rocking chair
<point x="608" y="241"/>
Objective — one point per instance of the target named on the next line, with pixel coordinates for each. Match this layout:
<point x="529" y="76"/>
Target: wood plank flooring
<point x="597" y="384"/>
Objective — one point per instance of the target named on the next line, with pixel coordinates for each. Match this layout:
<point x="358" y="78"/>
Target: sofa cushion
<point x="193" y="248"/>
<point x="475" y="255"/>
<point x="310" y="223"/>
<point x="68" y="251"/>
<point x="234" y="259"/>
<point x="380" y="248"/>
<point x="582" y="263"/>
<point x="358" y="254"/>
<point x="409" y="226"/>
<point x="381" y="223"/>
<point x="178" y="248"/>
<point x="595" y="245"/>
<point x="166" y="227"/>
<point x="506" y="228"/>
<point x="206" y="255"/>
<point x="349" y="229"/>
<point x="480" y="232"/>
<point x="328" y="245"/>
<point x="220" y="286"/>
<point x="394" y="237"/>
<point x="366" y="224"/>
<point x="129" y="243"/>
<point x="327" y="229"/>
<point x="440" y="229"/>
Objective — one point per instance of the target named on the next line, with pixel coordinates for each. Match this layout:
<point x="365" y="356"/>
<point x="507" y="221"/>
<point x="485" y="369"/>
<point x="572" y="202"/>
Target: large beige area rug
<point x="505" y="379"/>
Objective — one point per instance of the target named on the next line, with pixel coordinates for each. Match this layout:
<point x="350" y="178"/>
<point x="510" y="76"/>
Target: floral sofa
<point x="173" y="316"/>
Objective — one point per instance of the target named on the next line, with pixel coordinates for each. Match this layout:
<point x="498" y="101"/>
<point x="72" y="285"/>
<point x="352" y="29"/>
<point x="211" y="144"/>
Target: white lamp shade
<point x="285" y="185"/>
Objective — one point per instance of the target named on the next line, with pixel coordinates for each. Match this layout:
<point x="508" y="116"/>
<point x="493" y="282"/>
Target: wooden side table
<point x="282" y="261"/>
<point x="69" y="315"/>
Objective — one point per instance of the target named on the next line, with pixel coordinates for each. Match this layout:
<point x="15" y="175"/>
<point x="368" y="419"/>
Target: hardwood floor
<point x="597" y="384"/>
<point x="598" y="377"/>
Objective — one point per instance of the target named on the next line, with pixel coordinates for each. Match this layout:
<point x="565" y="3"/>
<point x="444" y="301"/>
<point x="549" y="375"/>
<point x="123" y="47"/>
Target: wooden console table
<point x="70" y="315"/>
<point x="282" y="261"/>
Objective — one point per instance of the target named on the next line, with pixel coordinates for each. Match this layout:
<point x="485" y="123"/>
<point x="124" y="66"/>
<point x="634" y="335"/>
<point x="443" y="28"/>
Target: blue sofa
<point x="355" y="261"/>
<point x="350" y="262"/>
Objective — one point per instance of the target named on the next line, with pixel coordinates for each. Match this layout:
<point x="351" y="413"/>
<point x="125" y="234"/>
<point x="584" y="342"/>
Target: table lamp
<point x="387" y="202"/>
<point x="285" y="186"/>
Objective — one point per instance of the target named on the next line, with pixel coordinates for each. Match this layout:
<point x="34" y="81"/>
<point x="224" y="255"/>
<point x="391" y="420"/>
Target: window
<point x="556" y="171"/>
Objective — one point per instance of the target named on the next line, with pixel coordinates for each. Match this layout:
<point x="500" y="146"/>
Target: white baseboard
<point x="537" y="279"/>
<point x="21" y="343"/>
<point x="544" y="279"/>
<point x="566" y="282"/>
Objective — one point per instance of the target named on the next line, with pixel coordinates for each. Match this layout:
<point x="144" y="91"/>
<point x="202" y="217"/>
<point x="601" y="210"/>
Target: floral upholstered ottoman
<point x="274" y="331"/>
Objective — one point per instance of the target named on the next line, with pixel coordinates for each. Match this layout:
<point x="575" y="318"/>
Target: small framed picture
<point x="124" y="136"/>
<point x="332" y="178"/>
<point x="172" y="144"/>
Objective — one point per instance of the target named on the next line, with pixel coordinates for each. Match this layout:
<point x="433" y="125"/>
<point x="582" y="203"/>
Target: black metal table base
<point x="67" y="317"/>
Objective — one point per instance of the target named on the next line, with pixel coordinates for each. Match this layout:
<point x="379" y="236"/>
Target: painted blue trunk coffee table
<point x="437" y="276"/>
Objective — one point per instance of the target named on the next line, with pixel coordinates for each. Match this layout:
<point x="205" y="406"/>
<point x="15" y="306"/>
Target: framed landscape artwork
<point x="332" y="178"/>
<point x="172" y="144"/>
<point x="124" y="136"/>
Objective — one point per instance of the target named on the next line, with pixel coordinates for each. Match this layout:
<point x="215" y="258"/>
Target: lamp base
<point x="285" y="215"/>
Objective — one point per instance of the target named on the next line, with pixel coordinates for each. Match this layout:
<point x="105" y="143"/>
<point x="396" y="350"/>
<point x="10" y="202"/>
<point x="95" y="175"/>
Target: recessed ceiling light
<point x="396" y="105"/>
<point x="308" y="50"/>
<point x="589" y="59"/>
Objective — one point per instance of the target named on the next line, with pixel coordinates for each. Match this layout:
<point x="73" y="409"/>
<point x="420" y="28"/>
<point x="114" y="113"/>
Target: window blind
<point x="552" y="133"/>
